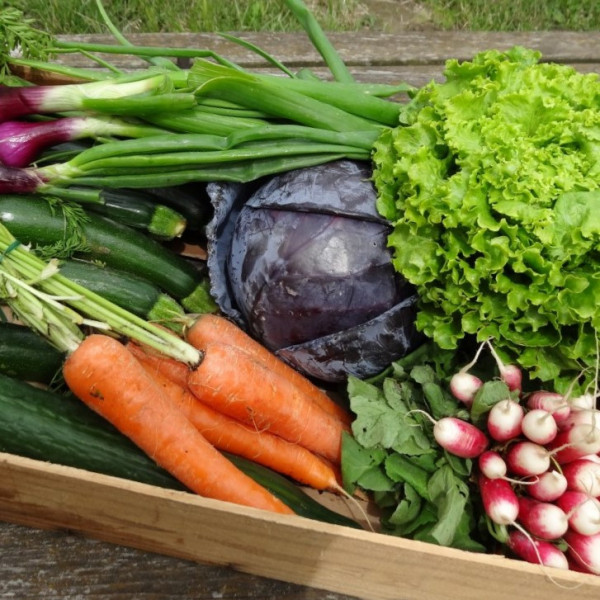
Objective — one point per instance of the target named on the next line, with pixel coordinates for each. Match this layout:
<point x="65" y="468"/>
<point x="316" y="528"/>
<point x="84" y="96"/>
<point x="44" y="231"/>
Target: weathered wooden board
<point x="413" y="57"/>
<point x="293" y="549"/>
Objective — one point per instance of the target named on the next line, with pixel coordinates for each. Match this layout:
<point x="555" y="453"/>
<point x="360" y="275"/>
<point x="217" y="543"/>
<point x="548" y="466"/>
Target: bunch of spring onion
<point x="538" y="465"/>
<point x="165" y="126"/>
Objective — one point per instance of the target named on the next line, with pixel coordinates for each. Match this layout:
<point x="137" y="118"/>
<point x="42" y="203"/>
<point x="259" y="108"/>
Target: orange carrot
<point x="109" y="379"/>
<point x="262" y="447"/>
<point x="175" y="370"/>
<point x="209" y="328"/>
<point x="235" y="384"/>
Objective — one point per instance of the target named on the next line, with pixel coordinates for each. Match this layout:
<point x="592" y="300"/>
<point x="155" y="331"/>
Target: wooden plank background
<point x="414" y="57"/>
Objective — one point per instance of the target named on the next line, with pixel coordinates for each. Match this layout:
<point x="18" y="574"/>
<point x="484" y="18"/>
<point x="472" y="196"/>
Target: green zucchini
<point x="26" y="355"/>
<point x="138" y="295"/>
<point x="134" y="209"/>
<point x="45" y="425"/>
<point x="33" y="220"/>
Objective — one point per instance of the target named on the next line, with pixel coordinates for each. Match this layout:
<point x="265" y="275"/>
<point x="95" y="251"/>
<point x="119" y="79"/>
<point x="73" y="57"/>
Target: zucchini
<point x="134" y="209"/>
<point x="36" y="221"/>
<point x="45" y="425"/>
<point x="26" y="355"/>
<point x="127" y="290"/>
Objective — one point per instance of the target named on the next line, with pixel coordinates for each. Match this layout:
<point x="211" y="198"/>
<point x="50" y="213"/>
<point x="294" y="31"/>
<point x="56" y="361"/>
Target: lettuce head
<point x="492" y="183"/>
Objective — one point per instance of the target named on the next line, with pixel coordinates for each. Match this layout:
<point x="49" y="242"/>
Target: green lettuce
<point x="492" y="183"/>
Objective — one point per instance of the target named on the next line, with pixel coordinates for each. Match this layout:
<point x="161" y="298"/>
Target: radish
<point x="492" y="465"/>
<point x="575" y="443"/>
<point x="583" y="512"/>
<point x="539" y="426"/>
<point x="582" y="417"/>
<point x="527" y="458"/>
<point x="457" y="436"/>
<point x="584" y="402"/>
<point x="500" y="501"/>
<point x="553" y="402"/>
<point x="464" y="386"/>
<point x="504" y="420"/>
<point x="583" y="475"/>
<point x="548" y="487"/>
<point x="510" y="374"/>
<point x="536" y="551"/>
<point x="542" y="519"/>
<point x="584" y="550"/>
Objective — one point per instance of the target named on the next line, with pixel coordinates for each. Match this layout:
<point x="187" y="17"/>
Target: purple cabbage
<point x="301" y="261"/>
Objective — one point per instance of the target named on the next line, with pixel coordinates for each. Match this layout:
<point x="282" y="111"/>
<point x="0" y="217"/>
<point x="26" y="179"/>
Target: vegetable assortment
<point x="485" y="189"/>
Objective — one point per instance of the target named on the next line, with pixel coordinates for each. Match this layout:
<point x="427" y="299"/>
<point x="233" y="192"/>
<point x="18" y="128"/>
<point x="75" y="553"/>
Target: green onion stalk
<point x="214" y="121"/>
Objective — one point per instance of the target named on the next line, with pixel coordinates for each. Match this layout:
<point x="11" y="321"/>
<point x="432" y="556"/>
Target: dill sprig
<point x="74" y="239"/>
<point x="19" y="37"/>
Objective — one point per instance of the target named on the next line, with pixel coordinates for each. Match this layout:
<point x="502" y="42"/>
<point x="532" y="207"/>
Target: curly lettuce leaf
<point x="492" y="183"/>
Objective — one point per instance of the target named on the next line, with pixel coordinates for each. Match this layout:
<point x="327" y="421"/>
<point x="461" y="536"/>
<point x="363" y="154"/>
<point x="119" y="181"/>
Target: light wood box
<point x="360" y="563"/>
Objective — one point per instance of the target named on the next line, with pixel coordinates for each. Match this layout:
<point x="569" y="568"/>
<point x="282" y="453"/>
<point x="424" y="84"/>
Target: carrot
<point x="208" y="328"/>
<point x="262" y="447"/>
<point x="108" y="378"/>
<point x="173" y="369"/>
<point x="235" y="384"/>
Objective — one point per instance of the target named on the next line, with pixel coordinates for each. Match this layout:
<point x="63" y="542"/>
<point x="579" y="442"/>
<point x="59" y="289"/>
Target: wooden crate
<point x="289" y="548"/>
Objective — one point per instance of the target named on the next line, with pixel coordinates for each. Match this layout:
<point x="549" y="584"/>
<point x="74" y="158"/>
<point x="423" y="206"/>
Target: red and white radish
<point x="504" y="420"/>
<point x="464" y="386"/>
<point x="542" y="519"/>
<point x="500" y="502"/>
<point x="584" y="550"/>
<point x="491" y="464"/>
<point x="527" y="459"/>
<point x="582" y="417"/>
<point x="536" y="551"/>
<point x="574" y="443"/>
<point x="510" y="374"/>
<point x="584" y="402"/>
<point x="548" y="486"/>
<point x="553" y="402"/>
<point x="583" y="475"/>
<point x="539" y="426"/>
<point x="460" y="437"/>
<point x="583" y="512"/>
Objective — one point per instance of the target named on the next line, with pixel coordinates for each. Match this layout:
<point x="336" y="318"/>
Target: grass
<point x="130" y="16"/>
<point x="82" y="16"/>
<point x="515" y="15"/>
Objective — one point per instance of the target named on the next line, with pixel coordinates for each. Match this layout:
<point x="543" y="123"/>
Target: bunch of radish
<point x="538" y="468"/>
